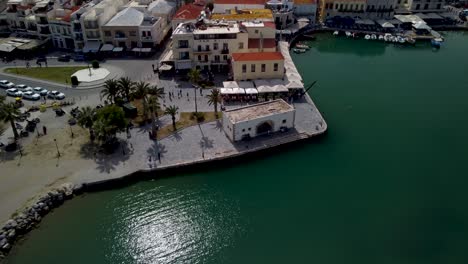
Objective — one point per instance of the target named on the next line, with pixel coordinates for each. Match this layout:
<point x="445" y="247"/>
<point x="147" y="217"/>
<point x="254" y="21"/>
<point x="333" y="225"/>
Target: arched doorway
<point x="265" y="127"/>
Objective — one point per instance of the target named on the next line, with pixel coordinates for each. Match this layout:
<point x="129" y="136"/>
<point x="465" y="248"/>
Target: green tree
<point x="109" y="121"/>
<point x="194" y="76"/>
<point x="172" y="110"/>
<point x="9" y="113"/>
<point x="86" y="118"/>
<point x="213" y="99"/>
<point x="157" y="92"/>
<point x="141" y="91"/>
<point x="111" y="90"/>
<point x="126" y="87"/>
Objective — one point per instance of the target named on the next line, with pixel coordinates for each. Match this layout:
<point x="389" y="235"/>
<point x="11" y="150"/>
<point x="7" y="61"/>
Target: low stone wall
<point x="22" y="223"/>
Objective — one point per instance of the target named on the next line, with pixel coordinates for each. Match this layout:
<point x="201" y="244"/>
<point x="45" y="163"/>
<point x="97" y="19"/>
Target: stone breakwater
<point x="23" y="222"/>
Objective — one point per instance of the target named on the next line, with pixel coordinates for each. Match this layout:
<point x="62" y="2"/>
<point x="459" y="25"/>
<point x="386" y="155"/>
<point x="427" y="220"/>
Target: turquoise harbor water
<point x="387" y="184"/>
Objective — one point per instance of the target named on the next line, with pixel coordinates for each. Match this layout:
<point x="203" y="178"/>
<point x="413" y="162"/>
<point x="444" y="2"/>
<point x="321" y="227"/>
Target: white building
<point x="94" y="18"/>
<point x="131" y="28"/>
<point x="258" y="119"/>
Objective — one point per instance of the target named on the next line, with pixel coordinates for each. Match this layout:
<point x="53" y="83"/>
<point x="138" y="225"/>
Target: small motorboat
<point x="435" y="43"/>
<point x="302" y="46"/>
<point x="309" y="37"/>
<point x="336" y="33"/>
<point x="411" y="40"/>
<point x="367" y="37"/>
<point x="439" y="40"/>
<point x="348" y="34"/>
<point x="373" y="37"/>
<point x="299" y="50"/>
<point x="401" y="39"/>
<point x="388" y="37"/>
<point x="381" y="37"/>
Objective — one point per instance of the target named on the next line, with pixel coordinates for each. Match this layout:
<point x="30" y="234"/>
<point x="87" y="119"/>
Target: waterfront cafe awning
<point x="261" y="82"/>
<point x="165" y="67"/>
<point x="146" y="50"/>
<point x="245" y="84"/>
<point x="434" y="16"/>
<point x="364" y="22"/>
<point x="421" y="16"/>
<point x="238" y="91"/>
<point x="91" y="46"/>
<point x="385" y="24"/>
<point x="107" y="47"/>
<point x="421" y="25"/>
<point x="117" y="49"/>
<point x="6" y="47"/>
<point x="226" y="91"/>
<point x="136" y="49"/>
<point x="293" y="84"/>
<point x="293" y="76"/>
<point x="230" y="84"/>
<point x="251" y="91"/>
<point x="279" y="88"/>
<point x="265" y="89"/>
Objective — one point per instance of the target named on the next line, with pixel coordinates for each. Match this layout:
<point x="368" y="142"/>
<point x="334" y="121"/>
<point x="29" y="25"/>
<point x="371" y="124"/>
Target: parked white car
<point x="22" y="86"/>
<point x="56" y="95"/>
<point x="14" y="92"/>
<point x="31" y="96"/>
<point x="6" y="84"/>
<point x="41" y="91"/>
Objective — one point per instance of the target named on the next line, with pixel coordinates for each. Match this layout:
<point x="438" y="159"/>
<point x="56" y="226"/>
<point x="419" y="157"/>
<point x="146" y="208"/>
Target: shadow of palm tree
<point x="217" y="125"/>
<point x="206" y="142"/>
<point x="106" y="162"/>
<point x="177" y="136"/>
<point x="156" y="148"/>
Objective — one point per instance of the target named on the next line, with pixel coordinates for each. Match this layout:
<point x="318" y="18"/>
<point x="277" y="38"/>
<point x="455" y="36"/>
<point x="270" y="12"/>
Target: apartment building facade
<point x="131" y="28"/>
<point x="257" y="65"/>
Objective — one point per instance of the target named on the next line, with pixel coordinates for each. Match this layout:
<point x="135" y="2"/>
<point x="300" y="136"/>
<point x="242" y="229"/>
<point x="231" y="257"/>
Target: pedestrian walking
<point x="45" y="63"/>
<point x="159" y="157"/>
<point x="153" y="67"/>
<point x="44" y="129"/>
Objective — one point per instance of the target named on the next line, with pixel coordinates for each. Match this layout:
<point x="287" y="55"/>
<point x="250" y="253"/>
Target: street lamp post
<point x="195" y="93"/>
<point x="89" y="68"/>
<point x="58" y="152"/>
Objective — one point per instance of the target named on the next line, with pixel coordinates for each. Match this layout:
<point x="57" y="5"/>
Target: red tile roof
<point x="188" y="11"/>
<point x="267" y="43"/>
<point x="269" y="24"/>
<point x="257" y="56"/>
<point x="240" y="2"/>
<point x="68" y="16"/>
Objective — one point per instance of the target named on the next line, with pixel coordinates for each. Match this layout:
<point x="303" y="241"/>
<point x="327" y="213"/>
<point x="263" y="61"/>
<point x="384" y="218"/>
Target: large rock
<point x="6" y="247"/>
<point x="3" y="242"/>
<point x="11" y="224"/>
<point x="67" y="189"/>
<point x="78" y="188"/>
<point x="2" y="235"/>
<point x="11" y="234"/>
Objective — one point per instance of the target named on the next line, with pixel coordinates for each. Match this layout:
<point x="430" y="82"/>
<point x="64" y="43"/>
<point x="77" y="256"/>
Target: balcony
<point x="147" y="38"/>
<point x="218" y="62"/>
<point x="44" y="31"/>
<point x="225" y="51"/>
<point x="120" y="37"/>
<point x="201" y="51"/>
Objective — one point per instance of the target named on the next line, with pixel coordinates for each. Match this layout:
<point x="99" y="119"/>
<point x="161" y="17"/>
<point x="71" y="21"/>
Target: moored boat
<point x="336" y="33"/>
<point x="299" y="51"/>
<point x="388" y="37"/>
<point x="373" y="37"/>
<point x="381" y="37"/>
<point x="367" y="37"/>
<point x="348" y="34"/>
<point x="302" y="46"/>
<point x="435" y="43"/>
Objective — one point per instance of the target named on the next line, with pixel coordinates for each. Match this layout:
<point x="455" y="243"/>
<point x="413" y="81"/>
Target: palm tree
<point x="157" y="92"/>
<point x="111" y="90"/>
<point x="126" y="87"/>
<point x="172" y="110"/>
<point x="86" y="118"/>
<point x="194" y="76"/>
<point x="153" y="107"/>
<point x="213" y="99"/>
<point x="9" y="113"/>
<point x="141" y="91"/>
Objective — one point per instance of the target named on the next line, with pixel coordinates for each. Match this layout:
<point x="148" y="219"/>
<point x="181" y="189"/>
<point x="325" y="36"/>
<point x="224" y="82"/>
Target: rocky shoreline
<point x="29" y="218"/>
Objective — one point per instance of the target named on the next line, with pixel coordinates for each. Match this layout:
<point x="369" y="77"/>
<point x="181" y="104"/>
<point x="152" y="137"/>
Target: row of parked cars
<point x="26" y="92"/>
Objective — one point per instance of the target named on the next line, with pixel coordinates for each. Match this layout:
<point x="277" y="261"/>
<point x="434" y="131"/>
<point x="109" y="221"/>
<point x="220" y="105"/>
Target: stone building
<point x="257" y="65"/>
<point x="258" y="119"/>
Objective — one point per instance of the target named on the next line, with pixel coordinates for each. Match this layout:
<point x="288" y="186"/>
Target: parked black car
<point x="64" y="58"/>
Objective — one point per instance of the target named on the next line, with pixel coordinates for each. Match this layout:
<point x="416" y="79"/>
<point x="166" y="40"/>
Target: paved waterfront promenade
<point x="24" y="178"/>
